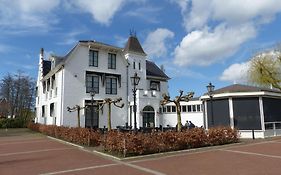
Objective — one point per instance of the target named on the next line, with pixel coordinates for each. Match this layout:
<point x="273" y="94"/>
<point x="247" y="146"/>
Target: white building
<point x="67" y="81"/>
<point x="93" y="66"/>
<point x="190" y="111"/>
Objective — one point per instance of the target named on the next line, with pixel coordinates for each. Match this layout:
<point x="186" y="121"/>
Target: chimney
<point x="162" y="68"/>
<point x="42" y="54"/>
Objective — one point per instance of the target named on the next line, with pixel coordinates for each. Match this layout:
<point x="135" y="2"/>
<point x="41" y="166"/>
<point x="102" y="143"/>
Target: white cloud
<point x="231" y="11"/>
<point x="155" y="43"/>
<point x="102" y="11"/>
<point x="204" y="47"/>
<point x="217" y="29"/>
<point x="182" y="3"/>
<point x="237" y="73"/>
<point x="24" y="15"/>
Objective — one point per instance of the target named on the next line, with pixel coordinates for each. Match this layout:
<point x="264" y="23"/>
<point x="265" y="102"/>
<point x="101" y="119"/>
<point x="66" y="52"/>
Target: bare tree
<point x="109" y="101"/>
<point x="176" y="101"/>
<point x="18" y="90"/>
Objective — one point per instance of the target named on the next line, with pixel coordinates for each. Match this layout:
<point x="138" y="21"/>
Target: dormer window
<point x="93" y="58"/>
<point x="139" y="66"/>
<point x="155" y="85"/>
<point x="111" y="61"/>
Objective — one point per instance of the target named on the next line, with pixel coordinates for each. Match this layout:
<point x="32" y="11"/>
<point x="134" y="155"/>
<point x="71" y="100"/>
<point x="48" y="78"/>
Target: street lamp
<point x="92" y="93"/>
<point x="210" y="89"/>
<point x="135" y="81"/>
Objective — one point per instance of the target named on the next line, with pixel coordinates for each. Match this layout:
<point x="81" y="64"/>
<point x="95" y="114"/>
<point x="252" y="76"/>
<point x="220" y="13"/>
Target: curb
<point x="66" y="142"/>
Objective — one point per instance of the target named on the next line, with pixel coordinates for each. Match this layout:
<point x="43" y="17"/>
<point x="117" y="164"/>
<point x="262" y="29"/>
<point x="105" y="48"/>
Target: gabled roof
<point x="98" y="43"/>
<point x="154" y="71"/>
<point x="243" y="88"/>
<point x="133" y="45"/>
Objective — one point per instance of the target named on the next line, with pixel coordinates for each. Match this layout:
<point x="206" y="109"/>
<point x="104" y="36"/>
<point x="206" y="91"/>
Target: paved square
<point x="26" y="153"/>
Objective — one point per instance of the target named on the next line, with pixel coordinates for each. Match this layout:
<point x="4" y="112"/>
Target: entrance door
<point x="89" y="113"/>
<point x="148" y="117"/>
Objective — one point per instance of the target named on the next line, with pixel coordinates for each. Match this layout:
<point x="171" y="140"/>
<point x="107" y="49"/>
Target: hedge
<point x="19" y="122"/>
<point x="81" y="136"/>
<point x="138" y="143"/>
<point x="127" y="144"/>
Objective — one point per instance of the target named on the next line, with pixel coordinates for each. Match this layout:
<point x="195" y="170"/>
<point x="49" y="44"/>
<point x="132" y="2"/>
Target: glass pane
<point x="198" y="108"/>
<point x="184" y="108"/>
<point x="91" y="58"/>
<point x="173" y="109"/>
<point x="194" y="108"/>
<point x="189" y="108"/>
<point x="168" y="108"/>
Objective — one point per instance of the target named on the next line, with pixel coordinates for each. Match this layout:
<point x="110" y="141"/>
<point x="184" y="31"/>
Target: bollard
<point x="253" y="134"/>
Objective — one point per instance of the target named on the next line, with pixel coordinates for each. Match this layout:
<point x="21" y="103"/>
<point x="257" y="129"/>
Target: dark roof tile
<point x="133" y="45"/>
<point x="242" y="88"/>
<point x="153" y="70"/>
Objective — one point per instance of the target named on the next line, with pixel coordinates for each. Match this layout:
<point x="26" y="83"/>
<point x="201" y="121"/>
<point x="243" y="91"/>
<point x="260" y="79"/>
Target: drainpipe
<point x="127" y="93"/>
<point x="62" y="88"/>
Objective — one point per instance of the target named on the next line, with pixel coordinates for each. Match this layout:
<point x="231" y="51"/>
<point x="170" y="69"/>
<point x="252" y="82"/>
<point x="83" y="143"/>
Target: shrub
<point x="131" y="143"/>
<point x="222" y="135"/>
<point x="145" y="143"/>
<point x="81" y="136"/>
<point x="19" y="122"/>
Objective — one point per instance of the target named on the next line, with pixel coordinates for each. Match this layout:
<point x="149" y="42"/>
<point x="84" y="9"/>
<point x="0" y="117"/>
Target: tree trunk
<point x="109" y="117"/>
<point x="179" y="125"/>
<point x="78" y="117"/>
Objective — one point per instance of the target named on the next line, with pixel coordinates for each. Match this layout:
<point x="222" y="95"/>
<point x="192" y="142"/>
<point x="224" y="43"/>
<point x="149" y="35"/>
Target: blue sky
<point x="197" y="41"/>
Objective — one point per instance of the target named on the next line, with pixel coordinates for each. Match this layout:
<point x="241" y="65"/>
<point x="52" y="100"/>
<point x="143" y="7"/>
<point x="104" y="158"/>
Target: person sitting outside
<point x="186" y="124"/>
<point x="191" y="125"/>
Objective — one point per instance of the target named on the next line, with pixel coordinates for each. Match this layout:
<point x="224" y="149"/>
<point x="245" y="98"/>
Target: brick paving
<point x="26" y="153"/>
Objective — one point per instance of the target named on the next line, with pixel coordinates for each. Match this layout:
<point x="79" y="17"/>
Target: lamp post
<point x="92" y="93"/>
<point x="135" y="81"/>
<point x="210" y="89"/>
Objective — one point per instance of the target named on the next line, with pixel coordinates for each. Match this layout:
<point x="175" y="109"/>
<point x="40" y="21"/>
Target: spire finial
<point x="133" y="32"/>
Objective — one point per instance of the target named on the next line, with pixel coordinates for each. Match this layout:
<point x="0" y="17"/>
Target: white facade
<point x="190" y="111"/>
<point x="63" y="84"/>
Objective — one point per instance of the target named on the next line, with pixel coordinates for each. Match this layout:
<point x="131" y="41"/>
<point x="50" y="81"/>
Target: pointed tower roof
<point x="133" y="45"/>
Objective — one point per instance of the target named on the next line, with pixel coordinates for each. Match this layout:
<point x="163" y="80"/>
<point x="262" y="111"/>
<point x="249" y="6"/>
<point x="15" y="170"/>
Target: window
<point x="43" y="111"/>
<point x="93" y="58"/>
<point x="36" y="91"/>
<point x="111" y="61"/>
<point x="168" y="108"/>
<point x="184" y="108"/>
<point x="193" y="108"/>
<point x="53" y="79"/>
<point x="139" y="66"/>
<point x="44" y="87"/>
<point x="111" y="85"/>
<point x="173" y="108"/>
<point x="92" y="83"/>
<point x="188" y="108"/>
<point x="154" y="85"/>
<point x="52" y="109"/>
<point x="198" y="108"/>
<point x="48" y="84"/>
<point x="134" y="65"/>
<point x="164" y="109"/>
